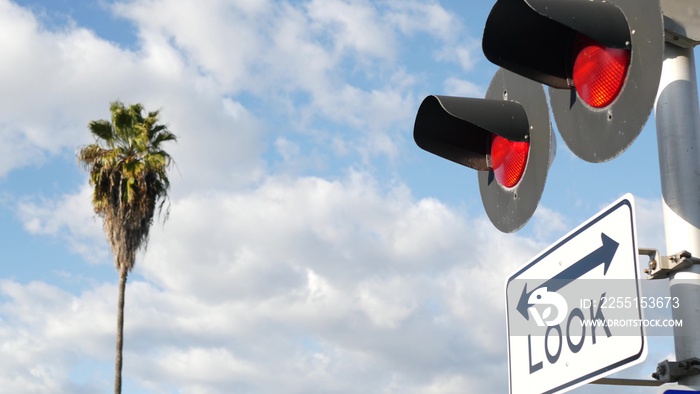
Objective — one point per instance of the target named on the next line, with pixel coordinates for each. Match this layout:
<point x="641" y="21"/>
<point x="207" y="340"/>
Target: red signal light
<point x="599" y="72"/>
<point x="508" y="160"/>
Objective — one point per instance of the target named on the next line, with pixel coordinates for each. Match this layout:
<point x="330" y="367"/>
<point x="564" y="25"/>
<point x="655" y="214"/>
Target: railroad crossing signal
<point x="601" y="59"/>
<point x="602" y="62"/>
<point x="507" y="137"/>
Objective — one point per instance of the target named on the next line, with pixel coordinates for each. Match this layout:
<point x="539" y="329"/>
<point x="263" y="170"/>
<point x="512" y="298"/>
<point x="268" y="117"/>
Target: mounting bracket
<point x="661" y="266"/>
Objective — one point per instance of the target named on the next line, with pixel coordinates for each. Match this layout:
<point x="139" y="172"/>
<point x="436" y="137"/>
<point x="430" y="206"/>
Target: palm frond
<point x="163" y="136"/>
<point x="129" y="177"/>
<point x="89" y="155"/>
<point x="102" y="129"/>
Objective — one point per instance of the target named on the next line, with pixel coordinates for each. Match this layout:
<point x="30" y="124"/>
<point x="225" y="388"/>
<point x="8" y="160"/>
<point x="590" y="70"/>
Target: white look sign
<point x="574" y="312"/>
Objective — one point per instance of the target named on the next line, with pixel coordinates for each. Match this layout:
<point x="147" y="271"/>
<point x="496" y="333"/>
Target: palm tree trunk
<point x="120" y="330"/>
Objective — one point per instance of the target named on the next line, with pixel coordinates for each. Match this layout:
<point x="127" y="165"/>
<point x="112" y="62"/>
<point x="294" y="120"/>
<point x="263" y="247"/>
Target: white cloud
<point x="355" y="26"/>
<point x="430" y="17"/>
<point x="49" y="331"/>
<point x="310" y="60"/>
<point x="549" y="224"/>
<point x="60" y="80"/>
<point x="386" y="302"/>
<point x="423" y="16"/>
<point x="310" y="283"/>
<point x="258" y="280"/>
<point x="451" y="384"/>
<point x="46" y="68"/>
<point x="463" y="88"/>
<point x="70" y="217"/>
<point x="192" y="60"/>
<point x="463" y="54"/>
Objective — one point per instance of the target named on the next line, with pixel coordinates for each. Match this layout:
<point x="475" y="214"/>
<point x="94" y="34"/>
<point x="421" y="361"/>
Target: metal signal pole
<point x="678" y="133"/>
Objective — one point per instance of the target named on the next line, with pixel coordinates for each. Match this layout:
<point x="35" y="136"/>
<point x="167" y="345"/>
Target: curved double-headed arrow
<point x="601" y="256"/>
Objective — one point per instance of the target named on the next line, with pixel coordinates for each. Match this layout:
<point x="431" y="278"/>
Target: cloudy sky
<point x="311" y="246"/>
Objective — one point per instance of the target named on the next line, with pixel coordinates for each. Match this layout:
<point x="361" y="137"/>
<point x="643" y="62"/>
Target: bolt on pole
<point x="678" y="132"/>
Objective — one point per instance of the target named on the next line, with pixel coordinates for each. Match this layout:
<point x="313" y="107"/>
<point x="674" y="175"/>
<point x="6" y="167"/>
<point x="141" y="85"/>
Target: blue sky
<point x="311" y="246"/>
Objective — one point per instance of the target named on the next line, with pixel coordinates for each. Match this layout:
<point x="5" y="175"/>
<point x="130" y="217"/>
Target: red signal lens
<point x="599" y="72"/>
<point x="508" y="159"/>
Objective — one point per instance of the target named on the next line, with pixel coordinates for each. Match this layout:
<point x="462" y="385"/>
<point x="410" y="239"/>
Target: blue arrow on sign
<point x="601" y="256"/>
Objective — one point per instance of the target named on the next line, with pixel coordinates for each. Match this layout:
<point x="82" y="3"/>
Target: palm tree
<point x="127" y="169"/>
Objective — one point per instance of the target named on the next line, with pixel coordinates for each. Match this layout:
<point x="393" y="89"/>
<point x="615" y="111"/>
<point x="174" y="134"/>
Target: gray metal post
<point x="678" y="132"/>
